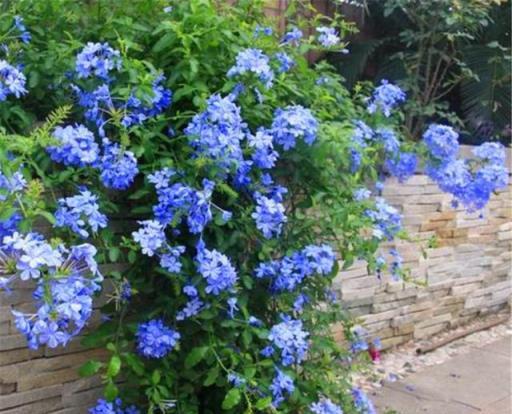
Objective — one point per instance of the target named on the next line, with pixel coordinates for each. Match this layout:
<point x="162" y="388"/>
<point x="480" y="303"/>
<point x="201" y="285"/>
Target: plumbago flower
<point x="294" y="122"/>
<point x="12" y="81"/>
<point x="78" y="211"/>
<point x="387" y="221"/>
<point x="289" y="272"/>
<point x="11" y="187"/>
<point x="325" y="406"/>
<point x="114" y="407"/>
<point x="290" y="339"/>
<point x="216" y="269"/>
<point x="385" y="97"/>
<point x="63" y="298"/>
<point x="253" y="61"/>
<point x="328" y="36"/>
<point x="470" y="181"/>
<point x="76" y="146"/>
<point x="155" y="340"/>
<point x="97" y="59"/>
<point x="269" y="216"/>
<point x="118" y="167"/>
<point x="282" y="384"/>
<point x="217" y="132"/>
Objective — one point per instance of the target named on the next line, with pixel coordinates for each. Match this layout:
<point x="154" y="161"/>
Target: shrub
<point x="194" y="150"/>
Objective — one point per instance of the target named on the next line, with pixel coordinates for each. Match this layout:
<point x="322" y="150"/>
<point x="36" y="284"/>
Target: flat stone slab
<point x="476" y="382"/>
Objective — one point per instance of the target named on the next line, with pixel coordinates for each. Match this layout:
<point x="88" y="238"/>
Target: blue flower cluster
<point x="386" y="220"/>
<point x="292" y="37"/>
<point x="281" y="384"/>
<point x="177" y="201"/>
<point x="12" y="81"/>
<point x="253" y="61"/>
<point x="64" y="302"/>
<point x="269" y="215"/>
<point x="114" y="407"/>
<point x="396" y="264"/>
<point x="471" y="182"/>
<point x="362" y="403"/>
<point x="294" y="122"/>
<point x="325" y="406"/>
<point x="290" y="339"/>
<point x="442" y="141"/>
<point x="402" y="165"/>
<point x="118" y="167"/>
<point x="150" y="236"/>
<point x="328" y="36"/>
<point x="264" y="155"/>
<point x="97" y="59"/>
<point x="216" y="269"/>
<point x="285" y="62"/>
<point x="286" y="274"/>
<point x="218" y="131"/>
<point x="76" y="146"/>
<point x="79" y="211"/>
<point x="385" y="97"/>
<point x="136" y="110"/>
<point x="10" y="187"/>
<point x="155" y="339"/>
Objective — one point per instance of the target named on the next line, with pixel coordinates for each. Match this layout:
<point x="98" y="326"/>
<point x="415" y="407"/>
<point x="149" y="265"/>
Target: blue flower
<point x="281" y="384"/>
<point x="321" y="258"/>
<point x="236" y="380"/>
<point x="155" y="340"/>
<point x="150" y="236"/>
<point x="325" y="406"/>
<point x="285" y="62"/>
<point x="137" y="110"/>
<point x="402" y="165"/>
<point x="79" y="211"/>
<point x="362" y="134"/>
<point x="114" y="407"/>
<point x="259" y="30"/>
<point x="359" y="342"/>
<point x="328" y="36"/>
<point x="64" y="305"/>
<point x="362" y="403"/>
<point x="192" y="308"/>
<point x="362" y="194"/>
<point x="253" y="61"/>
<point x="299" y="302"/>
<point x="97" y="59"/>
<point x="389" y="140"/>
<point x="12" y="81"/>
<point x="291" y="340"/>
<point x="269" y="216"/>
<point x="25" y="36"/>
<point x="77" y="146"/>
<point x="170" y="260"/>
<point x="385" y="97"/>
<point x="118" y="166"/>
<point x="386" y="219"/>
<point x="216" y="269"/>
<point x="442" y="141"/>
<point x="217" y="132"/>
<point x="294" y="122"/>
<point x="232" y="308"/>
<point x="492" y="152"/>
<point x="292" y="37"/>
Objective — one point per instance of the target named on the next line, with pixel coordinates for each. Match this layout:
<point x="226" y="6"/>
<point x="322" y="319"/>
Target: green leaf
<point x="196" y="355"/>
<point x="89" y="368"/>
<point x="114" y="366"/>
<point x="211" y="377"/>
<point x="111" y="391"/>
<point x="263" y="403"/>
<point x="232" y="399"/>
<point x="134" y="363"/>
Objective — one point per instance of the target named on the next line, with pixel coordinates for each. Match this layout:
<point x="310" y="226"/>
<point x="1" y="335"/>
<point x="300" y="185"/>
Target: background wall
<point x="467" y="274"/>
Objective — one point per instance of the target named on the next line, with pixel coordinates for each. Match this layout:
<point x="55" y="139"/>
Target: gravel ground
<point x="401" y="361"/>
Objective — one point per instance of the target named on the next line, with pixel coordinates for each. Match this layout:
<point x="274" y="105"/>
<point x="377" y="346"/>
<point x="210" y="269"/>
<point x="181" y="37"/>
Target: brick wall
<point x="467" y="274"/>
